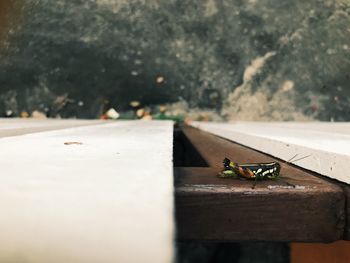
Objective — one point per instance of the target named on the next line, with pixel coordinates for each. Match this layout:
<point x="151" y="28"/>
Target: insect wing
<point x="264" y="170"/>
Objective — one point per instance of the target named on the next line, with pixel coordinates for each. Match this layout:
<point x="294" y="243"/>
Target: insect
<point x="253" y="171"/>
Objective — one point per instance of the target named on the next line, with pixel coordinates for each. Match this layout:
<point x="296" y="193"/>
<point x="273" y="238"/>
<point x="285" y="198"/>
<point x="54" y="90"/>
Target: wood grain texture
<point x="212" y="209"/>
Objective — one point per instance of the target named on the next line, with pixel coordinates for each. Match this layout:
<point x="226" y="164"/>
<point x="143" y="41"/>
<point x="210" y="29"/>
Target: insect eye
<point x="226" y="162"/>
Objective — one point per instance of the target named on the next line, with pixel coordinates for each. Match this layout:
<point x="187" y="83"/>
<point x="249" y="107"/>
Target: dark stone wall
<point x="266" y="59"/>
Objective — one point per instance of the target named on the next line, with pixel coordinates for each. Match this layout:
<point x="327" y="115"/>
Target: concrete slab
<point x="16" y="126"/>
<point x="328" y="144"/>
<point x="106" y="198"/>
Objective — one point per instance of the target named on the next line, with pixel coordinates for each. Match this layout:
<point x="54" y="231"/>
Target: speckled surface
<point x="248" y="60"/>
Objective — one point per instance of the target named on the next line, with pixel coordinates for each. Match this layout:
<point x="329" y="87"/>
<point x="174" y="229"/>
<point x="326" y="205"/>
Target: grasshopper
<point x="253" y="171"/>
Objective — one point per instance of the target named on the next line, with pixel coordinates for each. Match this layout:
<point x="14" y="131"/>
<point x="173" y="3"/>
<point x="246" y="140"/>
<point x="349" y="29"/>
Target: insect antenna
<point x="301" y="158"/>
<point x="292" y="158"/>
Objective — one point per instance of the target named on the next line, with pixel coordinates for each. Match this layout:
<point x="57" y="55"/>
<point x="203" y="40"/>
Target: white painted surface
<point x="16" y="123"/>
<point x="327" y="143"/>
<point x="17" y="126"/>
<point x="107" y="200"/>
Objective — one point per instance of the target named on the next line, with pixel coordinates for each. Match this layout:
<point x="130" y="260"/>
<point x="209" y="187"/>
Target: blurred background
<point x="209" y="60"/>
<point x="200" y="60"/>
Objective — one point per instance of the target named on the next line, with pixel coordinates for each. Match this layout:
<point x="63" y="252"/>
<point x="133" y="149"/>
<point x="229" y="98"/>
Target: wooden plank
<point x="108" y="199"/>
<point x="338" y="252"/>
<point x="346" y="190"/>
<point x="16" y="127"/>
<point x="336" y="131"/>
<point x="327" y="144"/>
<point x="212" y="209"/>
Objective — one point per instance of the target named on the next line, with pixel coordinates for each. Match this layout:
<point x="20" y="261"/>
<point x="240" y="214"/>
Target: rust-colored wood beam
<point x="212" y="209"/>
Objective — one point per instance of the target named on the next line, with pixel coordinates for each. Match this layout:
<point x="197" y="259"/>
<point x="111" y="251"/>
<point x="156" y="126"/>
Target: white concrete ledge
<point x="16" y="126"/>
<point x="328" y="144"/>
<point x="107" y="200"/>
